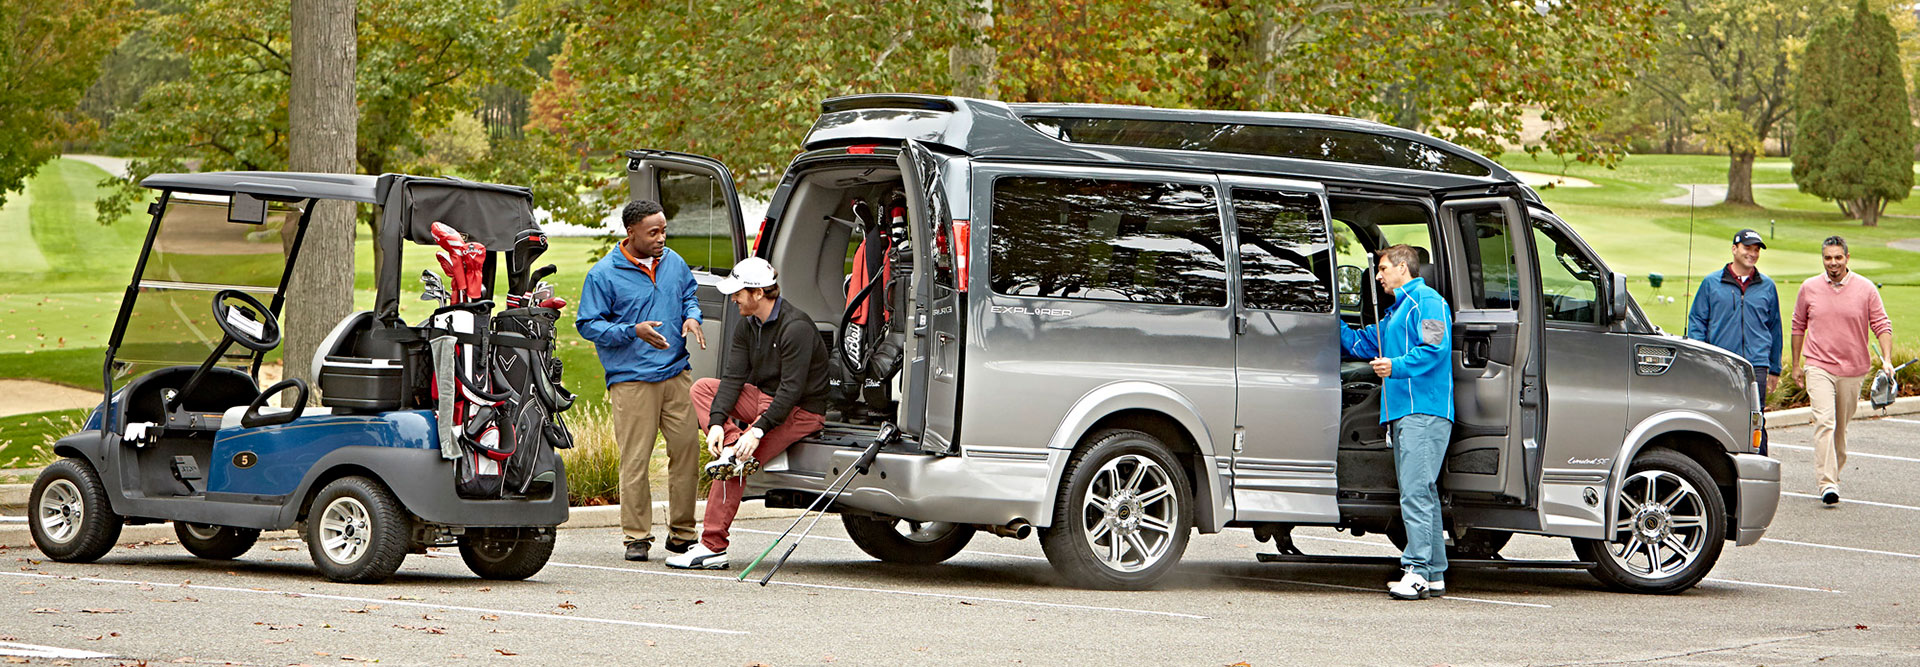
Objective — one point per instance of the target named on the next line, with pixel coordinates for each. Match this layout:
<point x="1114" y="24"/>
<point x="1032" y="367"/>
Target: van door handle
<point x="1240" y="324"/>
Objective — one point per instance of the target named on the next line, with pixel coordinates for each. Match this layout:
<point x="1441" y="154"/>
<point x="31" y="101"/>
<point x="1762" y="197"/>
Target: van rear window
<point x="1113" y="240"/>
<point x="1305" y="143"/>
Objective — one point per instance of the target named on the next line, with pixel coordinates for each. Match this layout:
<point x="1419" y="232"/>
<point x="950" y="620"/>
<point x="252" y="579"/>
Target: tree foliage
<point x="1856" y="134"/>
<point x="50" y="52"/>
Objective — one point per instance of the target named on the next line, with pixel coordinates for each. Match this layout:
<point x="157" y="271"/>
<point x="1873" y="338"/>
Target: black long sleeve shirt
<point x="784" y="357"/>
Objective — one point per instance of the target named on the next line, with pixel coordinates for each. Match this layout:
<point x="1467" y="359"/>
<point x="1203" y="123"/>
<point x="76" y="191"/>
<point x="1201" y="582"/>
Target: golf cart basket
<point x="483" y="379"/>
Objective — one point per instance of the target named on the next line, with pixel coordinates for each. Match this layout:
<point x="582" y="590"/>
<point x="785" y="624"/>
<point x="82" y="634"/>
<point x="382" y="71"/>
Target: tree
<point x="322" y="133"/>
<point x="1856" y="134"/>
<point x="50" y="52"/>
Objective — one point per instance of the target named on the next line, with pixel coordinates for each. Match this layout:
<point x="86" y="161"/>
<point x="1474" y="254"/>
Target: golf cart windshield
<point x="195" y="252"/>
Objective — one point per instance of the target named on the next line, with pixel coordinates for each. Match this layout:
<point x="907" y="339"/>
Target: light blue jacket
<point x="1417" y="334"/>
<point x="618" y="295"/>
<point x="1744" y="323"/>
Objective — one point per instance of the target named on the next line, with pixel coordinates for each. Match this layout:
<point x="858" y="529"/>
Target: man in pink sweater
<point x="1831" y="318"/>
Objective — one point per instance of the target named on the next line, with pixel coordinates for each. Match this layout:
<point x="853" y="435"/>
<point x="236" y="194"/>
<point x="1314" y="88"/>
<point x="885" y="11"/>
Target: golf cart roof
<point x="273" y="185"/>
<point x="489" y="213"/>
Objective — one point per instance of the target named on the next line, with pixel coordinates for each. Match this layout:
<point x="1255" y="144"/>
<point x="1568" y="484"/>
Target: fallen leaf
<point x="429" y="617"/>
<point x="17" y="660"/>
<point x="285" y="547"/>
<point x="44" y="610"/>
<point x="405" y="597"/>
<point x="1859" y="627"/>
<point x="484" y="589"/>
<point x="567" y="605"/>
<point x="276" y="641"/>
<point x="652" y="643"/>
<point x="103" y="610"/>
<point x="489" y="617"/>
<point x="502" y="651"/>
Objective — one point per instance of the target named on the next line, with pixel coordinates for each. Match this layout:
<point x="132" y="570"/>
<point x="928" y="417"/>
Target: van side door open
<point x="704" y="226"/>
<point x="1498" y="368"/>
<point x="936" y="343"/>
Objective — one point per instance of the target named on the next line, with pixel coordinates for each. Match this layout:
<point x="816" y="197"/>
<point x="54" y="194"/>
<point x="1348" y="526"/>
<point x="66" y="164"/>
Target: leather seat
<point x="231" y="418"/>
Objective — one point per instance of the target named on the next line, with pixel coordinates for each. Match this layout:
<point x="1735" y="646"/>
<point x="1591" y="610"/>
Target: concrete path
<point x="1909" y="245"/>
<point x="1708" y="194"/>
<point x="20" y="397"/>
<point x="113" y="165"/>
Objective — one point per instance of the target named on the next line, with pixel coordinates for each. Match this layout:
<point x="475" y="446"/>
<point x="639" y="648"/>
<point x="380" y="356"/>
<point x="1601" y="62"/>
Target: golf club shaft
<point x="818" y="503"/>
<point x="834" y="494"/>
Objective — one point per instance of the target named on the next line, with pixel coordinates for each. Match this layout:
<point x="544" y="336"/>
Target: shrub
<point x="593" y="464"/>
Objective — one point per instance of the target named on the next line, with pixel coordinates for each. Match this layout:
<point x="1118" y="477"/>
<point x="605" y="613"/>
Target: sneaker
<point x="1435" y="587"/>
<point x="680" y="546"/>
<point x="721" y="469"/>
<point x="637" y="550"/>
<point x="1830" y="494"/>
<point x="699" y="558"/>
<point x="1410" y="587"/>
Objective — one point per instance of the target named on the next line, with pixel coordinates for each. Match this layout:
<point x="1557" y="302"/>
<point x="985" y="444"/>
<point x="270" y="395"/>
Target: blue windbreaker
<point x="1418" y="337"/>
<point x="618" y="295"/>
<point x="1744" y="323"/>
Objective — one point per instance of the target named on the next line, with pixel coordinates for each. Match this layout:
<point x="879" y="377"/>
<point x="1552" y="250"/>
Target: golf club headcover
<point x="447" y="237"/>
<point x="555" y="303"/>
<point x="455" y="276"/>
<point x="476" y="260"/>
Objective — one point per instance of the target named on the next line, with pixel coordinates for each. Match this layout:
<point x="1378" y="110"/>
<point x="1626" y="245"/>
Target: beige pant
<point x="641" y="410"/>
<point x="1834" y="399"/>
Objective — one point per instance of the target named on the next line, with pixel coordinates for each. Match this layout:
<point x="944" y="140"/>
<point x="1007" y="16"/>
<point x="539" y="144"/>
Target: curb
<point x="14" y="532"/>
<point x="1904" y="405"/>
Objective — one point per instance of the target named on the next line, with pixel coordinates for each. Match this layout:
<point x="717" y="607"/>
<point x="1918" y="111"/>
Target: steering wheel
<point x="234" y="321"/>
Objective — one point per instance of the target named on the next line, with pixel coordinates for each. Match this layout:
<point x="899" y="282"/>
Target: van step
<point x="1493" y="563"/>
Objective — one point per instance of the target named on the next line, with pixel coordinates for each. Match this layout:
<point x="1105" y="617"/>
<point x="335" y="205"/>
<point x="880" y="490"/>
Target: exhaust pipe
<point x="1017" y="529"/>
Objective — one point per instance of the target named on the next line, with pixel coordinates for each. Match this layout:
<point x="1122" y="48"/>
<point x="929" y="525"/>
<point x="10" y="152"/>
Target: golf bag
<point x="522" y="356"/>
<point x="462" y="388"/>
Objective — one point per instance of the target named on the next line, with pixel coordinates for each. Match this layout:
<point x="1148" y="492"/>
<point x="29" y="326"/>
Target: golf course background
<point x="62" y="273"/>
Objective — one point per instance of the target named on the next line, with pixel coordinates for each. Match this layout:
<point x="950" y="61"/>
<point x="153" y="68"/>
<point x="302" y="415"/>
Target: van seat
<point x="231" y="418"/>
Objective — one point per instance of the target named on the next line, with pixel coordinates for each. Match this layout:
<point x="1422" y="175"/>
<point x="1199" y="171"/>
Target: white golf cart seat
<point x="231" y="418"/>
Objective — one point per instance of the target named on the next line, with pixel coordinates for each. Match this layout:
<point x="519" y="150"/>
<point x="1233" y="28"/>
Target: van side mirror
<point x="1347" y="281"/>
<point x="1616" y="297"/>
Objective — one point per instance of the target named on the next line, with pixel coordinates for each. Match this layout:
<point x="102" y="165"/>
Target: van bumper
<point x="988" y="489"/>
<point x="1759" y="496"/>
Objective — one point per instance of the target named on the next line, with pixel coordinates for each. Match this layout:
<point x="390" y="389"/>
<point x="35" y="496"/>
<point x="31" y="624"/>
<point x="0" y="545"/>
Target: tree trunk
<point x="1868" y="210"/>
<point x="974" y="63"/>
<point x="1740" y="178"/>
<point x="323" y="132"/>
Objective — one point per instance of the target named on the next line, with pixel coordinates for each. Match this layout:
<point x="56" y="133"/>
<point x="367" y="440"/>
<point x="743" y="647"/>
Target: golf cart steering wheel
<point x="263" y="335"/>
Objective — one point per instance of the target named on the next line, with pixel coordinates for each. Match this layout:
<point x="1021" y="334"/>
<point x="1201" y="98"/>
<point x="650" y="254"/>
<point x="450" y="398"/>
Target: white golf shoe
<point x="699" y="558"/>
<point x="1412" y="586"/>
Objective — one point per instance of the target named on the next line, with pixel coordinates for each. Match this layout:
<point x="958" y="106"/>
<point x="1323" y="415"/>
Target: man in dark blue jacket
<point x="1737" y="309"/>
<point x="1412" y="350"/>
<point x="625" y="305"/>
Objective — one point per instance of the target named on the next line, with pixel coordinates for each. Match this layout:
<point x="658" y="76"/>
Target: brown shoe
<point x="637" y="549"/>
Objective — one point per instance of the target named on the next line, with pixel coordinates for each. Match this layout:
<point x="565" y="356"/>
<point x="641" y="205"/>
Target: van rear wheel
<point x="1123" y="515"/>
<point x="897" y="540"/>
<point x="215" y="542"/>
<point x="1669" y="525"/>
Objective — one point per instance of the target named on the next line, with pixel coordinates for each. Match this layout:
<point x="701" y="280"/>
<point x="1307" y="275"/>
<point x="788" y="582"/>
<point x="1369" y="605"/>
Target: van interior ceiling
<point x="830" y="213"/>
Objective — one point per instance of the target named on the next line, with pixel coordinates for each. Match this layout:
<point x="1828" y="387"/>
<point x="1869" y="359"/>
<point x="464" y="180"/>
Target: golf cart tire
<point x="1668" y="465"/>
<point x="506" y="554"/>
<point x="880" y="538"/>
<point x="1068" y="543"/>
<point x="385" y="524"/>
<point x="74" y="481"/>
<point x="215" y="542"/>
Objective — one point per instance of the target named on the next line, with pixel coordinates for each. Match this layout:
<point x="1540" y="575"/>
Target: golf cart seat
<point x="231" y="418"/>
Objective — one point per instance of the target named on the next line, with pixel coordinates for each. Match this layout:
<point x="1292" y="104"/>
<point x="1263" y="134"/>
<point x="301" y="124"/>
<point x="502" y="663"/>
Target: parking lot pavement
<point x="1829" y="585"/>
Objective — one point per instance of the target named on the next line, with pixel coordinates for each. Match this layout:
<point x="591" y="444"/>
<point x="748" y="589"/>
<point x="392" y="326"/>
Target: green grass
<point x="25" y="439"/>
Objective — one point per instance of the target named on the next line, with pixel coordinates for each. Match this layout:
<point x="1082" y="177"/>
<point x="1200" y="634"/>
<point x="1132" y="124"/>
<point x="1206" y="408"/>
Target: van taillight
<point x="961" y="246"/>
<point x="765" y="224"/>
<point x="863" y="149"/>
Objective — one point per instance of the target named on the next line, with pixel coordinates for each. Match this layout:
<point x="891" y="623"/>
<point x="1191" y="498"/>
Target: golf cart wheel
<point x="1123" y="516"/>
<point x="215" y="542"/>
<point x="506" y="554"/>
<point x="69" y="515"/>
<point x="1669" y="524"/>
<point x="356" y="531"/>
<point x="897" y="540"/>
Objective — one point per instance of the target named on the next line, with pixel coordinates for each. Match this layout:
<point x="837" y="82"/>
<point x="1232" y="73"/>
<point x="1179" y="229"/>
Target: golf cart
<point x="438" y="433"/>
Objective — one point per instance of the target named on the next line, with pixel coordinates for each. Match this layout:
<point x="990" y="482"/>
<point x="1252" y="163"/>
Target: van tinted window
<point x="699" y="220"/>
<point x="1490" y="263"/>
<point x="1108" y="239"/>
<point x="1305" y="143"/>
<point x="1286" y="256"/>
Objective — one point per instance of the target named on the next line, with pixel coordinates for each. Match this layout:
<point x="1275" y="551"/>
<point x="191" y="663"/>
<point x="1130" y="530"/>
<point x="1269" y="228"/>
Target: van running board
<point x="1493" y="563"/>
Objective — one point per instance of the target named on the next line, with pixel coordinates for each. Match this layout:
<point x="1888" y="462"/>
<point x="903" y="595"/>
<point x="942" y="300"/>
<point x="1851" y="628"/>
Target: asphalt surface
<point x="1828" y="585"/>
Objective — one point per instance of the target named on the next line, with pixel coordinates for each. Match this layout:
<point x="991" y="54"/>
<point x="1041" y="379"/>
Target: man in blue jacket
<point x="625" y="305"/>
<point x="1412" y="349"/>
<point x="1737" y="309"/>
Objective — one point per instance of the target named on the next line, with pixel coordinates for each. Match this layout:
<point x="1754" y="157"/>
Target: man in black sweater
<point x="775" y="382"/>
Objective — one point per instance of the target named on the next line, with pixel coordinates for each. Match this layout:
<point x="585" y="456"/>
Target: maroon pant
<point x="723" y="497"/>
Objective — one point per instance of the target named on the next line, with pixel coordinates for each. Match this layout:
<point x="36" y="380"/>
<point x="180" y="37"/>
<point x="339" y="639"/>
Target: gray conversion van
<point x="1116" y="325"/>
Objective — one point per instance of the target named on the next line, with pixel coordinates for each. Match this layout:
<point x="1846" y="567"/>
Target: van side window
<point x="1491" y="273"/>
<point x="1569" y="282"/>
<point x="1286" y="256"/>
<point x="699" y="220"/>
<point x="1109" y="240"/>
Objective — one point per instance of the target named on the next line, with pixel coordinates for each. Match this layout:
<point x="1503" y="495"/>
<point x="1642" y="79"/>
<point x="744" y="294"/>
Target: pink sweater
<point x="1835" y="323"/>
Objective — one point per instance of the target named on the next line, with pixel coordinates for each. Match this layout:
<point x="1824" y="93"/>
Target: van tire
<point x="215" y="542"/>
<point x="1680" y="490"/>
<point x="924" y="543"/>
<point x="1138" y="462"/>
<point x="68" y="513"/>
<point x="356" y="531"/>
<point x="506" y="554"/>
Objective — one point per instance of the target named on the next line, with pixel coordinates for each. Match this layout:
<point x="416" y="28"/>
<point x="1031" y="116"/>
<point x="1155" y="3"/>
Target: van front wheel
<point x="1123" y="515"/>
<point x="1669" y="524"/>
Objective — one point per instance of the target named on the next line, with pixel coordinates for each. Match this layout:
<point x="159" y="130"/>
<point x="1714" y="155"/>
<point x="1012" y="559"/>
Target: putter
<point x="887" y="433"/>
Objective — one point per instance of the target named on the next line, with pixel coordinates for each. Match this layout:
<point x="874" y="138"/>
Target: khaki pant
<point x="1834" y="399"/>
<point x="641" y="410"/>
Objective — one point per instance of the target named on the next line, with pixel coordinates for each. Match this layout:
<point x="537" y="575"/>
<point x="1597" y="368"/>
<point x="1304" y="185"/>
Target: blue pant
<point x="1419" y="445"/>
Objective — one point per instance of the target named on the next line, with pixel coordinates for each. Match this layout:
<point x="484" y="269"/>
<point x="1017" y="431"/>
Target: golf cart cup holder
<point x="252" y="416"/>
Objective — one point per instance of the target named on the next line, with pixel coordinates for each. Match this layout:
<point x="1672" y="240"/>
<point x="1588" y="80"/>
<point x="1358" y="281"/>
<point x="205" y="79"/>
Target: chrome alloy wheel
<point x="345" y="529"/>
<point x="62" y="510"/>
<point x="923" y="531"/>
<point x="1660" y="526"/>
<point x="1130" y="509"/>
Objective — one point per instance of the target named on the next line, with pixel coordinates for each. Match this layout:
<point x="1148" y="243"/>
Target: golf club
<point x="820" y="504"/>
<point x="528" y="246"/>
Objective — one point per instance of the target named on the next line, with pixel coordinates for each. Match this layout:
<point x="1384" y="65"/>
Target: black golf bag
<point x="527" y="371"/>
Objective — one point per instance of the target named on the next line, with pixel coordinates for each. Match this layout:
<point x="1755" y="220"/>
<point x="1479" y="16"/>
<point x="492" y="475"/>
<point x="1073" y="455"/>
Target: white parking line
<point x="1853" y="502"/>
<point x="383" y="602"/>
<point x="1756" y="583"/>
<point x="924" y="594"/>
<point x="37" y="651"/>
<point x="1841" y="548"/>
<point x="1318" y="584"/>
<point x="1853" y="454"/>
<point x="1897" y="419"/>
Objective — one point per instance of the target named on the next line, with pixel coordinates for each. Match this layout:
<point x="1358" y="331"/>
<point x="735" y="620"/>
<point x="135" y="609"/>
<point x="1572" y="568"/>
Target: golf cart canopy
<point x="485" y="212"/>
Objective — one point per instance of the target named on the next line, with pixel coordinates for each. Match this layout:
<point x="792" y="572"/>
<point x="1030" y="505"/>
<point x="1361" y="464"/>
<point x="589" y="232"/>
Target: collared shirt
<point x="619" y="293"/>
<point x="1742" y="319"/>
<point x="1840" y="284"/>
<point x="645" y="264"/>
<point x="1836" y="317"/>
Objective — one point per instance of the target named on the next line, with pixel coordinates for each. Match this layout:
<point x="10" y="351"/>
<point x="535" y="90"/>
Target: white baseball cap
<point x="750" y="272"/>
